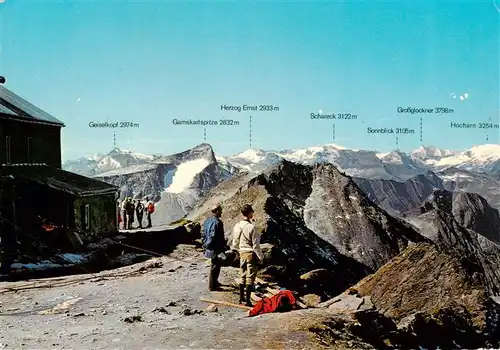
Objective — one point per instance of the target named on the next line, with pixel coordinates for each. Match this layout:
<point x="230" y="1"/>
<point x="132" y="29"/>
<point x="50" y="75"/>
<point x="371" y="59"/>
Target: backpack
<point x="151" y="207"/>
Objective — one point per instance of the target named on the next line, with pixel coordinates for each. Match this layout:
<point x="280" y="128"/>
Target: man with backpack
<point x="214" y="244"/>
<point x="150" y="209"/>
<point x="246" y="240"/>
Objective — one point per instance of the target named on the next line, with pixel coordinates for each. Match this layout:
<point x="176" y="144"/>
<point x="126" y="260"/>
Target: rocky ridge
<point x="426" y="292"/>
<point x="486" y="185"/>
<point x="400" y="197"/>
<point x="314" y="217"/>
<point x="449" y="220"/>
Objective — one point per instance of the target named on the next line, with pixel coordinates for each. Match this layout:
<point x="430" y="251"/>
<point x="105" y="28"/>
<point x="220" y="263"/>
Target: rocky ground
<point x="154" y="304"/>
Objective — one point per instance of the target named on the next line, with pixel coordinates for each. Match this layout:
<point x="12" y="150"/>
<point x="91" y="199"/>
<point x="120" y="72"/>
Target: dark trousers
<point x="130" y="217"/>
<point x="139" y="219"/>
<point x="125" y="219"/>
<point x="148" y="216"/>
<point x="213" y="278"/>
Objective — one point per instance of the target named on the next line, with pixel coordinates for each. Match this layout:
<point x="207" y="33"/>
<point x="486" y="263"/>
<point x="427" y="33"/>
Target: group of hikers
<point x="135" y="209"/>
<point x="246" y="242"/>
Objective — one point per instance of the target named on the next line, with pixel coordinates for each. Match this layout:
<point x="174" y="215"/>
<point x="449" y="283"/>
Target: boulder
<point x="317" y="276"/>
<point x="211" y="308"/>
<point x="311" y="300"/>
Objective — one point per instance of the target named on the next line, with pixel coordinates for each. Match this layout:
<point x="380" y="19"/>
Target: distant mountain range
<point x="394" y="165"/>
<point x="396" y="181"/>
<point x="416" y="236"/>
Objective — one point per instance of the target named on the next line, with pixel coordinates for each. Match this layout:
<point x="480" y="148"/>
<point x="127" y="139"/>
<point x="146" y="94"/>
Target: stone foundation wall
<point x="102" y="218"/>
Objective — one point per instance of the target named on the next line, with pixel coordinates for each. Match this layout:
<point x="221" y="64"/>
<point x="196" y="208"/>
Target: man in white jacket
<point x="246" y="240"/>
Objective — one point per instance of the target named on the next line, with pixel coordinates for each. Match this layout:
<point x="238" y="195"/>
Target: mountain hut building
<point x="34" y="188"/>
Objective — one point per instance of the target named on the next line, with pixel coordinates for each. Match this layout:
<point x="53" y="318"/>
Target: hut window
<point x="87" y="216"/>
<point x="7" y="150"/>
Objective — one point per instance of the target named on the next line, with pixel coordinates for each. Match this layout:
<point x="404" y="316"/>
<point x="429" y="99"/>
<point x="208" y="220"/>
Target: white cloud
<point x="462" y="97"/>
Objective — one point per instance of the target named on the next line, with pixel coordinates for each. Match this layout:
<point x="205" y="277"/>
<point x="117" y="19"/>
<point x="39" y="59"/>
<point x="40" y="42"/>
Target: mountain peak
<point x="120" y="151"/>
<point x="252" y="153"/>
<point x="398" y="158"/>
<point x="202" y="150"/>
<point x="117" y="150"/>
<point x="334" y="145"/>
<point x="203" y="146"/>
<point x="487" y="151"/>
<point x="431" y="152"/>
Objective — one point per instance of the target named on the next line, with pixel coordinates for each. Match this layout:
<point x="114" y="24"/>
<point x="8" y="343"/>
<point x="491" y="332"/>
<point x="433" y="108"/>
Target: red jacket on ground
<point x="277" y="303"/>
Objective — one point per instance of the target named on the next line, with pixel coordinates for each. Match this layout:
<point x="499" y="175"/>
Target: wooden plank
<point x="276" y="291"/>
<point x="270" y="292"/>
<point x="139" y="249"/>
<point x="255" y="297"/>
<point x="227" y="303"/>
<point x="329" y="302"/>
<point x="273" y="291"/>
<point x="301" y="304"/>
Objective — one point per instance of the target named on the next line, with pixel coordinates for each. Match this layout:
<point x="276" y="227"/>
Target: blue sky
<point x="151" y="62"/>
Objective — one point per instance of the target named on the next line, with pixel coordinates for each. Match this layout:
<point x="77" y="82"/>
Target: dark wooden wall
<point x="46" y="142"/>
<point x="35" y="199"/>
<point x="64" y="210"/>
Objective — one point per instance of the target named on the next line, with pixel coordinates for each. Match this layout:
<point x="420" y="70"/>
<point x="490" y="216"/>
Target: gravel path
<point x="101" y="312"/>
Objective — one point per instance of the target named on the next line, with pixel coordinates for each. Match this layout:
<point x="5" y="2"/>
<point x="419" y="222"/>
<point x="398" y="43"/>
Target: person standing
<point x="150" y="209"/>
<point x="124" y="212"/>
<point x="131" y="213"/>
<point x="118" y="213"/>
<point x="139" y="212"/>
<point x="246" y="240"/>
<point x="214" y="244"/>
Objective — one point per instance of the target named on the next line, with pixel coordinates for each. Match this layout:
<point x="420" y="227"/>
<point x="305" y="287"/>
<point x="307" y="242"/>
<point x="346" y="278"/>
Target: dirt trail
<point x="101" y="312"/>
